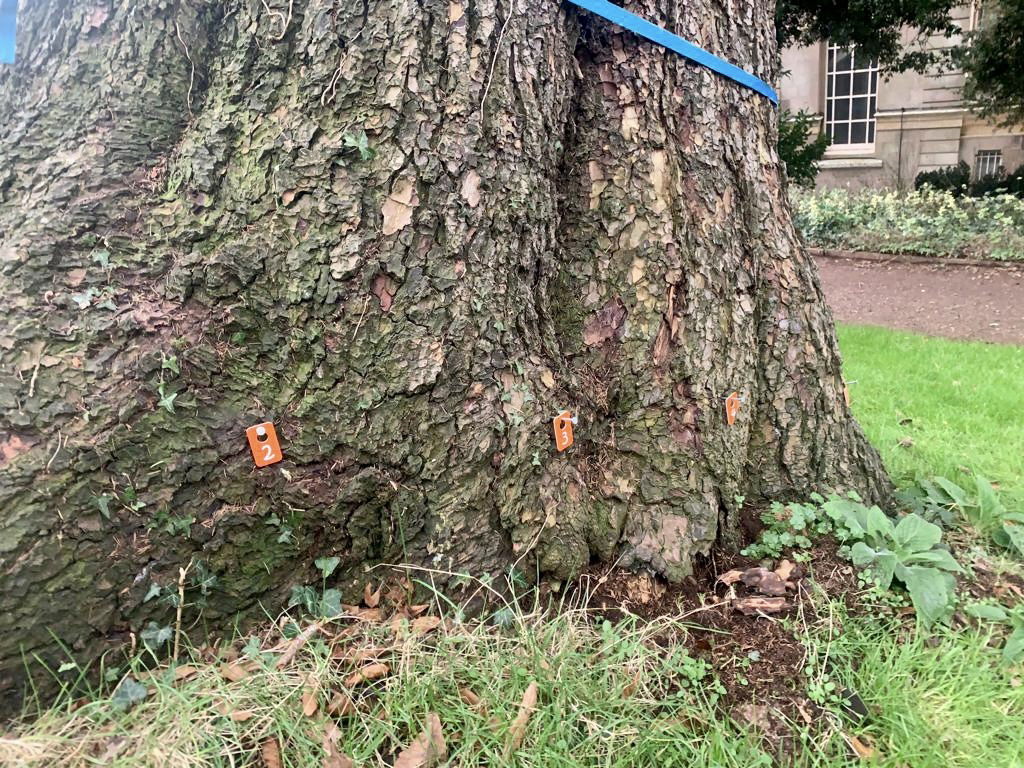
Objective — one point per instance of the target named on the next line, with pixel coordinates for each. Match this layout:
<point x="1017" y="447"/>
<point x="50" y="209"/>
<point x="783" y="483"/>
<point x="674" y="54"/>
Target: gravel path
<point x="958" y="302"/>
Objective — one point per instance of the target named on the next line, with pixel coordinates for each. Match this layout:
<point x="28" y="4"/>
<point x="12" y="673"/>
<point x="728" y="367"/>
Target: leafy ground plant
<point x="789" y="528"/>
<point x="907" y="550"/>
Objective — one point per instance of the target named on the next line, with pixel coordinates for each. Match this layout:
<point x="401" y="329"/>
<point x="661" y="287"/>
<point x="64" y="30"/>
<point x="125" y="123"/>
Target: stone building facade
<point x="887" y="128"/>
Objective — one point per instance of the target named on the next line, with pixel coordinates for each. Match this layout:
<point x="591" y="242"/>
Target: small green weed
<point x="987" y="512"/>
<point x="360" y="143"/>
<point x="790" y="527"/>
<point x="1013" y="648"/>
<point x="907" y="551"/>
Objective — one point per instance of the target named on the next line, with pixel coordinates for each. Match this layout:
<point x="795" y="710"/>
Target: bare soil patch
<point x="756" y="656"/>
<point x="980" y="303"/>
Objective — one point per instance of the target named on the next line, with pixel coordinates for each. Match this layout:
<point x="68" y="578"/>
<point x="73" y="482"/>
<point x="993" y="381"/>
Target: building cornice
<point x="923" y="112"/>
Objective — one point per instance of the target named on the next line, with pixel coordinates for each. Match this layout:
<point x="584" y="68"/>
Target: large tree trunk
<point x="548" y="213"/>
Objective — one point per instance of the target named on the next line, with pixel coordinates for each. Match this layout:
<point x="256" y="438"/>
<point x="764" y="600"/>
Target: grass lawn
<point x="935" y="407"/>
<point x="544" y="690"/>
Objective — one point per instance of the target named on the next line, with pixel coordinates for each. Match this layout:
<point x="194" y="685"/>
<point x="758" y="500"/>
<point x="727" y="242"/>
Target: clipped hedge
<point x="926" y="221"/>
<point x="957" y="180"/>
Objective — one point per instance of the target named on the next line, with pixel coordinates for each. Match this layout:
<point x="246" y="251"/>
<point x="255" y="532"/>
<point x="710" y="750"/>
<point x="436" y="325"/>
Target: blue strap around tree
<point x="8" y="24"/>
<point x="663" y="37"/>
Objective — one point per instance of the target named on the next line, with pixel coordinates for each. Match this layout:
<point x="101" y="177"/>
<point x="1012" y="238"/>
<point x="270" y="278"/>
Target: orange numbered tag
<point x="732" y="407"/>
<point x="263" y="442"/>
<point x="562" y="424"/>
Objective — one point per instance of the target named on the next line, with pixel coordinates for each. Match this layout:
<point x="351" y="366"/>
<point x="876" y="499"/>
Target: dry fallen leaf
<point x="369" y="672"/>
<point x="359" y="655"/>
<point x="233" y="672"/>
<point x="808" y="720"/>
<point x="517" y="730"/>
<point x="362" y="614"/>
<point x="297" y="644"/>
<point x="185" y="672"/>
<point x="425" y="624"/>
<point x="863" y="751"/>
<point x="631" y="686"/>
<point x="271" y="754"/>
<point x="241" y="715"/>
<point x="371" y="598"/>
<point x="750" y="606"/>
<point x="333" y="757"/>
<point x="310" y="703"/>
<point x="340" y="705"/>
<point x="471" y="699"/>
<point x="427" y="750"/>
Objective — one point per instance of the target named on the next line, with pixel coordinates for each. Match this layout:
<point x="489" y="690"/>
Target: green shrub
<point x="952" y="178"/>
<point x="1000" y="183"/>
<point x="926" y="221"/>
<point x="797" y="150"/>
<point x="956" y="179"/>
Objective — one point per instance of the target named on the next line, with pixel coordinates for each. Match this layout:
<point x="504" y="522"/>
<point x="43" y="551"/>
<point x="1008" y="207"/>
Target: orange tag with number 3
<point x="562" y="424"/>
<point x="263" y="443"/>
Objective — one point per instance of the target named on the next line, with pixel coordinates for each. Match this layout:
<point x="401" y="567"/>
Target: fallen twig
<point x="182" y="572"/>
<point x="297" y="644"/>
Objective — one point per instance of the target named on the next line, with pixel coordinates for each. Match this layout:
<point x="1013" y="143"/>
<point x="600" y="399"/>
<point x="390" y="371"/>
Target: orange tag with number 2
<point x="732" y="407"/>
<point x="263" y="443"/>
<point x="562" y="424"/>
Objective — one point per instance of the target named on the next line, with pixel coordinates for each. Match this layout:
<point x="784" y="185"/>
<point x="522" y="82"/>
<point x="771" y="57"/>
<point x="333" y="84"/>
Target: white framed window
<point x="987" y="162"/>
<point x="851" y="94"/>
<point x="978" y="16"/>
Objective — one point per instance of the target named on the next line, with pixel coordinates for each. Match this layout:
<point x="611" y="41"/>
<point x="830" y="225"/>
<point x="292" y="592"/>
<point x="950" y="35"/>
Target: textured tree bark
<point x="408" y="233"/>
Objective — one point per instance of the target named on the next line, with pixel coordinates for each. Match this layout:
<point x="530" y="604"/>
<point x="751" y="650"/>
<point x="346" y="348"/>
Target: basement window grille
<point x="988" y="162"/>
